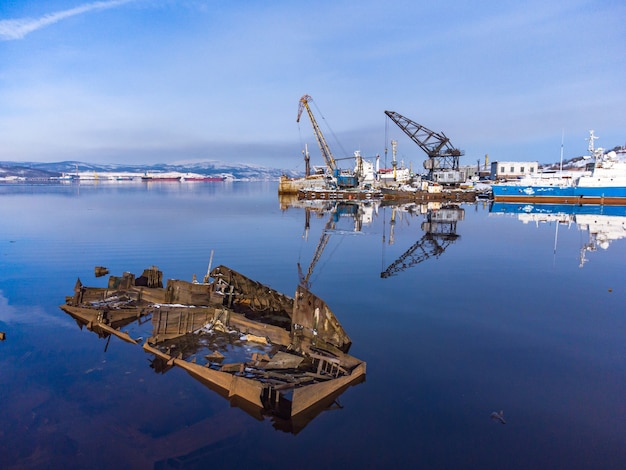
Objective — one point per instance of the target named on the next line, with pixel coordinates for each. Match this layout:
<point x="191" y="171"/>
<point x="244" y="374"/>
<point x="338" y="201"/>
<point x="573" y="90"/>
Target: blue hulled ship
<point x="605" y="184"/>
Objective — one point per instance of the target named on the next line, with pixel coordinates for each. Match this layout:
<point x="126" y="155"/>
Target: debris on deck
<point x="266" y="352"/>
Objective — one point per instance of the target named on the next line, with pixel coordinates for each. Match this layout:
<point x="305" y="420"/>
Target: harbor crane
<point x="442" y="155"/>
<point x="342" y="178"/>
<point x="321" y="141"/>
<point x="440" y="228"/>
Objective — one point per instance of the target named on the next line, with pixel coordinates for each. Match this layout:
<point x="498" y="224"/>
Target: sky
<point x="164" y="81"/>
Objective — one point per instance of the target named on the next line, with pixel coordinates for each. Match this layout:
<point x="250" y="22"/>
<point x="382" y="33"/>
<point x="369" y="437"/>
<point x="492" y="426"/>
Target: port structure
<point x="341" y="178"/>
<point x="442" y="155"/>
<point x="321" y="141"/>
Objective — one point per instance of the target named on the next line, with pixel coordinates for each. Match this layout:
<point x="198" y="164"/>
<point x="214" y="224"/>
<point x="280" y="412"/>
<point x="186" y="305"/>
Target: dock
<point x="444" y="195"/>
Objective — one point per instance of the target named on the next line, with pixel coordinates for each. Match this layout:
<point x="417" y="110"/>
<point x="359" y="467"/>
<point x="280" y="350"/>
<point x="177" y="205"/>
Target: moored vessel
<point x="159" y="177"/>
<point x="203" y="178"/>
<point x="605" y="184"/>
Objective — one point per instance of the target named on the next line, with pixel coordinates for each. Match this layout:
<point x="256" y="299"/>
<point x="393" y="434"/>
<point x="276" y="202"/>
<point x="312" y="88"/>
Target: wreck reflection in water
<point x="267" y="353"/>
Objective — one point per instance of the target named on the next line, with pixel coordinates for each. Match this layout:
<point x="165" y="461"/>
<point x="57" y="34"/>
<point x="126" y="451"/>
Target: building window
<point x="521" y="170"/>
<point x="501" y="169"/>
<point x="512" y="169"/>
<point x="532" y="169"/>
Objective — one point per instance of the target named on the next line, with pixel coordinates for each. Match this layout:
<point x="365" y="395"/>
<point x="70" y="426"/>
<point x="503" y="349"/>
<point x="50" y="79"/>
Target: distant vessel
<point x="605" y="184"/>
<point x="66" y="177"/>
<point x="204" y="178"/>
<point x="148" y="178"/>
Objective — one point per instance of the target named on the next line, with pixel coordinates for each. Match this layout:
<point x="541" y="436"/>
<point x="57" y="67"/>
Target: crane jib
<point x="321" y="141"/>
<point x="441" y="153"/>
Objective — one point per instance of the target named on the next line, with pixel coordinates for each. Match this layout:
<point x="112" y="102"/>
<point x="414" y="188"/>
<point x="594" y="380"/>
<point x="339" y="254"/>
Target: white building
<point x="512" y="170"/>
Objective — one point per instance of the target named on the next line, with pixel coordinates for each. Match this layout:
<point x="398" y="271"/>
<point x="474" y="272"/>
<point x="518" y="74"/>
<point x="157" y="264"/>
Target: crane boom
<point x="441" y="153"/>
<point x="435" y="144"/>
<point x="321" y="141"/>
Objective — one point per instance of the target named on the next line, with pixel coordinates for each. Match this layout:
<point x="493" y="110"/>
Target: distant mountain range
<point x="233" y="171"/>
<point x="229" y="171"/>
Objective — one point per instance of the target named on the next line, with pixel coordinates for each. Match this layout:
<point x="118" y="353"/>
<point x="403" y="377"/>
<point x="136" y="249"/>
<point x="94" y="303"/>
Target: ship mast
<point x="562" y="138"/>
<point x="591" y="148"/>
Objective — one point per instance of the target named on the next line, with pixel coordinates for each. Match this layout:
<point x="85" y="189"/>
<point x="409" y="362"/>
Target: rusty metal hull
<point x="288" y="185"/>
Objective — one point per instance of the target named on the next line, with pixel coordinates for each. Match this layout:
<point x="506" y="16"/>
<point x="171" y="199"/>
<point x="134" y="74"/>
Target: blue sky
<point x="156" y="81"/>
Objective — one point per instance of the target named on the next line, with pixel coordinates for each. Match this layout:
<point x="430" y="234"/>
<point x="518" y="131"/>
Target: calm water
<point x="485" y="312"/>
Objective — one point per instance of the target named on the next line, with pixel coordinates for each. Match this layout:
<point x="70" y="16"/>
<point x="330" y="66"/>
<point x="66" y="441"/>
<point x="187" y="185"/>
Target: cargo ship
<point x="159" y="177"/>
<point x="200" y="178"/>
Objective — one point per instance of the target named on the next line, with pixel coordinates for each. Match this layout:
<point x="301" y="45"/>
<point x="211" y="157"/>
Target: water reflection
<point x="438" y="223"/>
<point x="439" y="226"/>
<point x="360" y="213"/>
<point x="513" y="334"/>
<point x="603" y="224"/>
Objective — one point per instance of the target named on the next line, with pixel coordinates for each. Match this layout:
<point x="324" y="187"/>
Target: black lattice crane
<point x="441" y="153"/>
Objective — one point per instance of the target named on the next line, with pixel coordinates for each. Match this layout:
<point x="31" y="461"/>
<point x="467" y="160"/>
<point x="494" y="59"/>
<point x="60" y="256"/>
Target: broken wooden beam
<point x="120" y="334"/>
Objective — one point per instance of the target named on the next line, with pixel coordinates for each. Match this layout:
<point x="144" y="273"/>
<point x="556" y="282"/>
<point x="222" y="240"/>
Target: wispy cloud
<point x="19" y="28"/>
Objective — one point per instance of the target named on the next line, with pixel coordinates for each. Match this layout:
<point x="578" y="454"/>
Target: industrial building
<point x="512" y="170"/>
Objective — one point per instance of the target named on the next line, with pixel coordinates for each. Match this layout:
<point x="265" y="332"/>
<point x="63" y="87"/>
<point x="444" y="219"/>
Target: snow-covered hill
<point x="233" y="171"/>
